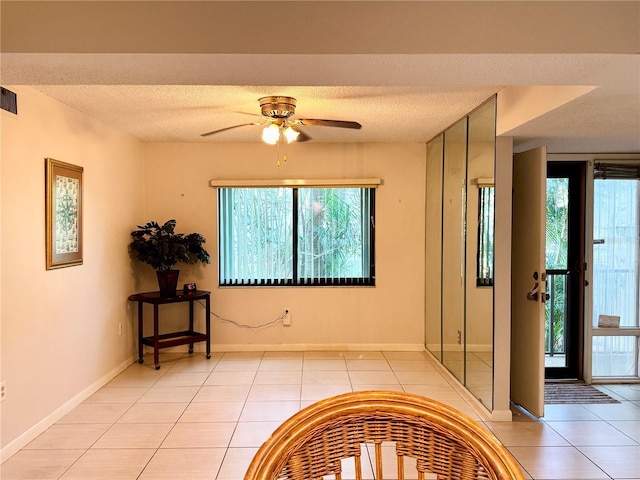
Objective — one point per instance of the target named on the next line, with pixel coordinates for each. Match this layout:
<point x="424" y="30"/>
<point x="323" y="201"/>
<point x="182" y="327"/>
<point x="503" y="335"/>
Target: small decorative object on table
<point x="159" y="246"/>
<point x="189" y="288"/>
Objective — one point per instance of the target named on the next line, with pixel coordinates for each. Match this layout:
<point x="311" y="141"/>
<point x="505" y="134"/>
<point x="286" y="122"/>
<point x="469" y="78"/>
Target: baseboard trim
<point x="298" y="347"/>
<point x="302" y="347"/>
<point x="20" y="442"/>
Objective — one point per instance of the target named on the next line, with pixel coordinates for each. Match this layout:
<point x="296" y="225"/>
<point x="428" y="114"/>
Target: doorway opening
<point x="565" y="261"/>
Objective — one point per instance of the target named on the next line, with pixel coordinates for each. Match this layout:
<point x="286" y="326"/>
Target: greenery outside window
<point x="486" y="200"/>
<point x="296" y="236"/>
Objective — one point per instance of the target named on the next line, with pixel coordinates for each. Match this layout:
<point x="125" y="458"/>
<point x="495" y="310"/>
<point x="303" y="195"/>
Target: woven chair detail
<point x="428" y="440"/>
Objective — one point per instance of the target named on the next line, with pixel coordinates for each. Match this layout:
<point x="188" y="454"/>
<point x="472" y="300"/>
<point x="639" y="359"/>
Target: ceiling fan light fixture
<point x="290" y="134"/>
<point x="271" y="134"/>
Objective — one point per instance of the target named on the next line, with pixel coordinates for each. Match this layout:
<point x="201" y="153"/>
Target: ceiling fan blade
<point x="329" y="123"/>
<point x="302" y="136"/>
<point x="249" y="113"/>
<point x="230" y="128"/>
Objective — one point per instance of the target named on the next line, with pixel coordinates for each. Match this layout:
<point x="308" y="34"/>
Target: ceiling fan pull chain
<point x="284" y="153"/>
<point x="278" y="154"/>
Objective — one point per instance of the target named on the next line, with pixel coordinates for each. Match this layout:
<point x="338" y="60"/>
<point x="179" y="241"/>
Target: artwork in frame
<point x="63" y="214"/>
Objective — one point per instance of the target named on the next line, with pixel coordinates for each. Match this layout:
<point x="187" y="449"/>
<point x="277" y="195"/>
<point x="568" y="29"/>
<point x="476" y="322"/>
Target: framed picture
<point x="189" y="288"/>
<point x="64" y="214"/>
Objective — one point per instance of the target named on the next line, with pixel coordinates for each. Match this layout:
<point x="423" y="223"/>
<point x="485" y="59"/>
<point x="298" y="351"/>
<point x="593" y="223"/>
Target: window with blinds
<point x="486" y="201"/>
<point x="296" y="236"/>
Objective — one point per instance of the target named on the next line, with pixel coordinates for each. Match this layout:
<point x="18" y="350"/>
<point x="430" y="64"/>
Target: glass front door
<point x="565" y="272"/>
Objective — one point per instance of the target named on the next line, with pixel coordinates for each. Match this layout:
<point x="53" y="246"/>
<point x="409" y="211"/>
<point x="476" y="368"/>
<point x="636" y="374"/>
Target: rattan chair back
<point x="364" y="433"/>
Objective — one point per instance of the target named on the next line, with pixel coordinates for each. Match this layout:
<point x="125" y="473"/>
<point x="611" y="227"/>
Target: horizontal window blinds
<point x="609" y="170"/>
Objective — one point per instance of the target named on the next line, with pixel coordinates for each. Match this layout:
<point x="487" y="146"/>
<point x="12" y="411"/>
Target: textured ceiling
<point x="181" y="113"/>
<point x="397" y="95"/>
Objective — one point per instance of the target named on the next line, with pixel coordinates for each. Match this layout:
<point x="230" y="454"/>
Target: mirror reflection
<point x="453" y="247"/>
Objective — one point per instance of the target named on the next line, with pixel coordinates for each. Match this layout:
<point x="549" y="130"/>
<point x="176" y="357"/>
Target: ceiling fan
<point x="277" y="112"/>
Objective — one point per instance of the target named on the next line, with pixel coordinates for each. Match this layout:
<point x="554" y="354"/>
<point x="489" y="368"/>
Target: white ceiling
<point x="397" y="97"/>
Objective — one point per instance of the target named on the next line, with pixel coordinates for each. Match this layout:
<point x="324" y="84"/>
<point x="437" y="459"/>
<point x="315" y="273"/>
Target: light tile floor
<point x="203" y="419"/>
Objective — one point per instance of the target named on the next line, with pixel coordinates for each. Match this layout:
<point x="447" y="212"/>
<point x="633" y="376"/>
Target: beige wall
<point x="389" y="315"/>
<point x="60" y="328"/>
<point x="502" y="285"/>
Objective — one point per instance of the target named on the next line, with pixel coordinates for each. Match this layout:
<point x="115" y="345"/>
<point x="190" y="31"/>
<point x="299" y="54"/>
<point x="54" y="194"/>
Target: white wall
<point x="60" y="328"/>
<point x="389" y="315"/>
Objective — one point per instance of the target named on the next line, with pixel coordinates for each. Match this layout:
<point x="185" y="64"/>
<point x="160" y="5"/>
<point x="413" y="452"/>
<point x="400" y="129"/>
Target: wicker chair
<point x="431" y="440"/>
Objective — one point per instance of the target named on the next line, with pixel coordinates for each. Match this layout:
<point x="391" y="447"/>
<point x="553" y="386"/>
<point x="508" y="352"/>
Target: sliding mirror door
<point x="479" y="263"/>
<point x="459" y="250"/>
<point x="433" y="241"/>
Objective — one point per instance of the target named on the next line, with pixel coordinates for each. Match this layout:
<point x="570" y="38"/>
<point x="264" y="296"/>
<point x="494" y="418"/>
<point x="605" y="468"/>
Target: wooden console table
<point x="173" y="339"/>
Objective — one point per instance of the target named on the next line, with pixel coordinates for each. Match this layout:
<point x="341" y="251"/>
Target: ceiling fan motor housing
<point x="278" y="107"/>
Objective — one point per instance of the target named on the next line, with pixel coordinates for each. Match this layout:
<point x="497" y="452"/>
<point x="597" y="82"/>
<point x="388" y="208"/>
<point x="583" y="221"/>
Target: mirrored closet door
<point x="459" y="250"/>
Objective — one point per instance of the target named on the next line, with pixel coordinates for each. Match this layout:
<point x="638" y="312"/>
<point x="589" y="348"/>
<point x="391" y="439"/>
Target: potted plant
<point x="159" y="246"/>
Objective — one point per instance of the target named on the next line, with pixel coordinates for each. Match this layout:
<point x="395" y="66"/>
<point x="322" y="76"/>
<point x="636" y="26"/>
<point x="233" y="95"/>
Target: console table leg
<point x="140" y="335"/>
<point x="207" y="322"/>
<point x="191" y="324"/>
<point x="156" y="340"/>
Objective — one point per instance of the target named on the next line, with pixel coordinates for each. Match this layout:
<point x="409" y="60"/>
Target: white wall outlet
<point x="3" y="391"/>
<point x="120" y="328"/>
<point x="286" y="320"/>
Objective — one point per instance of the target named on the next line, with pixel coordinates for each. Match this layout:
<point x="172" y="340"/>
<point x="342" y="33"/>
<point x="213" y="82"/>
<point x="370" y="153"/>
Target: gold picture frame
<point x="63" y="214"/>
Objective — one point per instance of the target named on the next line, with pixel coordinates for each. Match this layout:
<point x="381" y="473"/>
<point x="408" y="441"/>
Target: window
<point x="616" y="269"/>
<point x="296" y="236"/>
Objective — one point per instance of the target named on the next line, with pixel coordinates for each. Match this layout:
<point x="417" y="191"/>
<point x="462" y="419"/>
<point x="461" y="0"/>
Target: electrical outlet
<point x="286" y="320"/>
<point x="459" y="337"/>
<point x="120" y="328"/>
<point x="3" y="391"/>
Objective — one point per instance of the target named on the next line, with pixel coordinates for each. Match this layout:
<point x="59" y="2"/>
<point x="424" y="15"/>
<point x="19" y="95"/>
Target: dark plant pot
<point x="168" y="282"/>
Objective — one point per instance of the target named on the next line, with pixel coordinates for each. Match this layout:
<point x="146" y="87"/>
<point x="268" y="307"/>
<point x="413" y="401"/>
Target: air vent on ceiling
<point x="8" y="100"/>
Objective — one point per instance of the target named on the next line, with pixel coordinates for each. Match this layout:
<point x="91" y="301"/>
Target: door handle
<point x="532" y="294"/>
